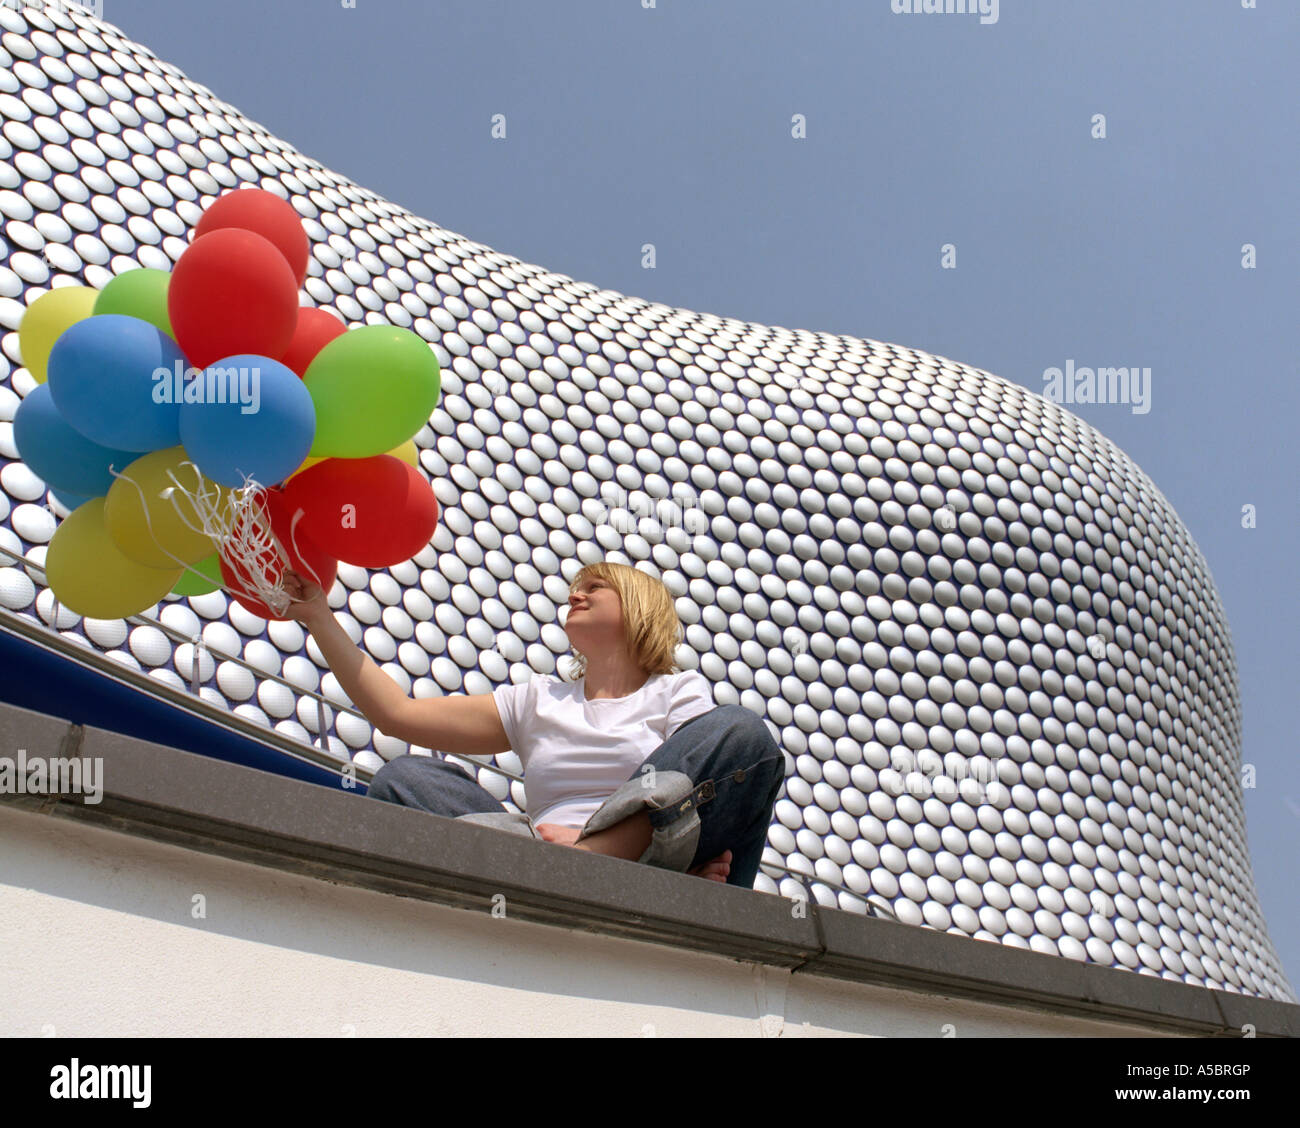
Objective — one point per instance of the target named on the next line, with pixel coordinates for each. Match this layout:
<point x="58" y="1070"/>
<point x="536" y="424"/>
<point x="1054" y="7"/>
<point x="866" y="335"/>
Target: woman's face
<point x="595" y="618"/>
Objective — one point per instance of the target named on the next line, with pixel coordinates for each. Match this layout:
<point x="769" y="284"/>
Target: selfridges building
<point x="994" y="657"/>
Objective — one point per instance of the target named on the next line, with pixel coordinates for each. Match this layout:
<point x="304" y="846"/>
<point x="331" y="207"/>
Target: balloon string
<point x="144" y="505"/>
<point x="239" y="523"/>
<point x="293" y="538"/>
<point x="253" y="544"/>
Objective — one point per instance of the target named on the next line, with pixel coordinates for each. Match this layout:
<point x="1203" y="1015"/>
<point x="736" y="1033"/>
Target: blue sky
<point x="671" y="125"/>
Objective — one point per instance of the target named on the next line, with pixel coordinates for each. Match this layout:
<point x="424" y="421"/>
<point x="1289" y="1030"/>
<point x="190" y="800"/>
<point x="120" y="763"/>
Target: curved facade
<point x="995" y="658"/>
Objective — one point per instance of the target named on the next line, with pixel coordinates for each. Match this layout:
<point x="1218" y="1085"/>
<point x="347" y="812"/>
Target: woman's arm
<point x="461" y="725"/>
<point x="371" y="690"/>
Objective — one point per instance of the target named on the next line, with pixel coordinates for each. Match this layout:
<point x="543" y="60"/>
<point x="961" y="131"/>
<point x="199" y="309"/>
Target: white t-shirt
<point x="576" y="753"/>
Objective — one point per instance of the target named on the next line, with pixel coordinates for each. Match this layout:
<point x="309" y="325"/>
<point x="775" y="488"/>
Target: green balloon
<point x="373" y="388"/>
<point x="190" y="584"/>
<point x="138" y="293"/>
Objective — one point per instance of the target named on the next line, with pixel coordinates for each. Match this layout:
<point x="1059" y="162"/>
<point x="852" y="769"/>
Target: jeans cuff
<point x="673" y="845"/>
<point x="510" y="821"/>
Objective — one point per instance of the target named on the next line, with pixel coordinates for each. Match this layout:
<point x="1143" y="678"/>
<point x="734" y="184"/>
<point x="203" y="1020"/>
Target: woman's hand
<point x="308" y="600"/>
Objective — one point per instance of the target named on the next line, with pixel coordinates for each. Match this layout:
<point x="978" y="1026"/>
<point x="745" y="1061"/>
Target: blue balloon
<point x="114" y="378"/>
<point x="60" y="455"/>
<point x="70" y="502"/>
<point x="247" y="416"/>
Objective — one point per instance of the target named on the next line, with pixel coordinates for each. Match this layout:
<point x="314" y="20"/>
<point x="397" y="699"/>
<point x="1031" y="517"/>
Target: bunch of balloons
<point x="185" y="416"/>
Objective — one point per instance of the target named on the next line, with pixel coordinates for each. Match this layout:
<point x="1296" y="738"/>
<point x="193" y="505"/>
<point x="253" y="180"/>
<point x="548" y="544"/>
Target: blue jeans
<point x="711" y="786"/>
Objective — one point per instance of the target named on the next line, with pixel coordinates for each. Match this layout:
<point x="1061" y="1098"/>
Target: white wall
<point x="99" y="940"/>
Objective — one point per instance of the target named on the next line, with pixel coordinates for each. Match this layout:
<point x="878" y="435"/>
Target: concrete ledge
<point x="173" y="796"/>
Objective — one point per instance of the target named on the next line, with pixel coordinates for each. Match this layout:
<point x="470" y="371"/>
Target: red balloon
<point x="305" y="557"/>
<point x="316" y="328"/>
<point x="373" y="512"/>
<point x="231" y="292"/>
<point x="265" y="214"/>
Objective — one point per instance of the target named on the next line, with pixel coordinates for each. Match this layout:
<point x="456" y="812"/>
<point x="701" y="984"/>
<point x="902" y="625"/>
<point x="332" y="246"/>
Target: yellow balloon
<point x="307" y="463"/>
<point x="46" y="318"/>
<point x="407" y="452"/>
<point x="90" y="576"/>
<point x="163" y="539"/>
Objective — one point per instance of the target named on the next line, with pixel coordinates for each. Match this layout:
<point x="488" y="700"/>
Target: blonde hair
<point x="651" y="627"/>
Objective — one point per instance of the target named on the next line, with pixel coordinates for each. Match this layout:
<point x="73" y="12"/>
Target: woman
<point x="631" y="759"/>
